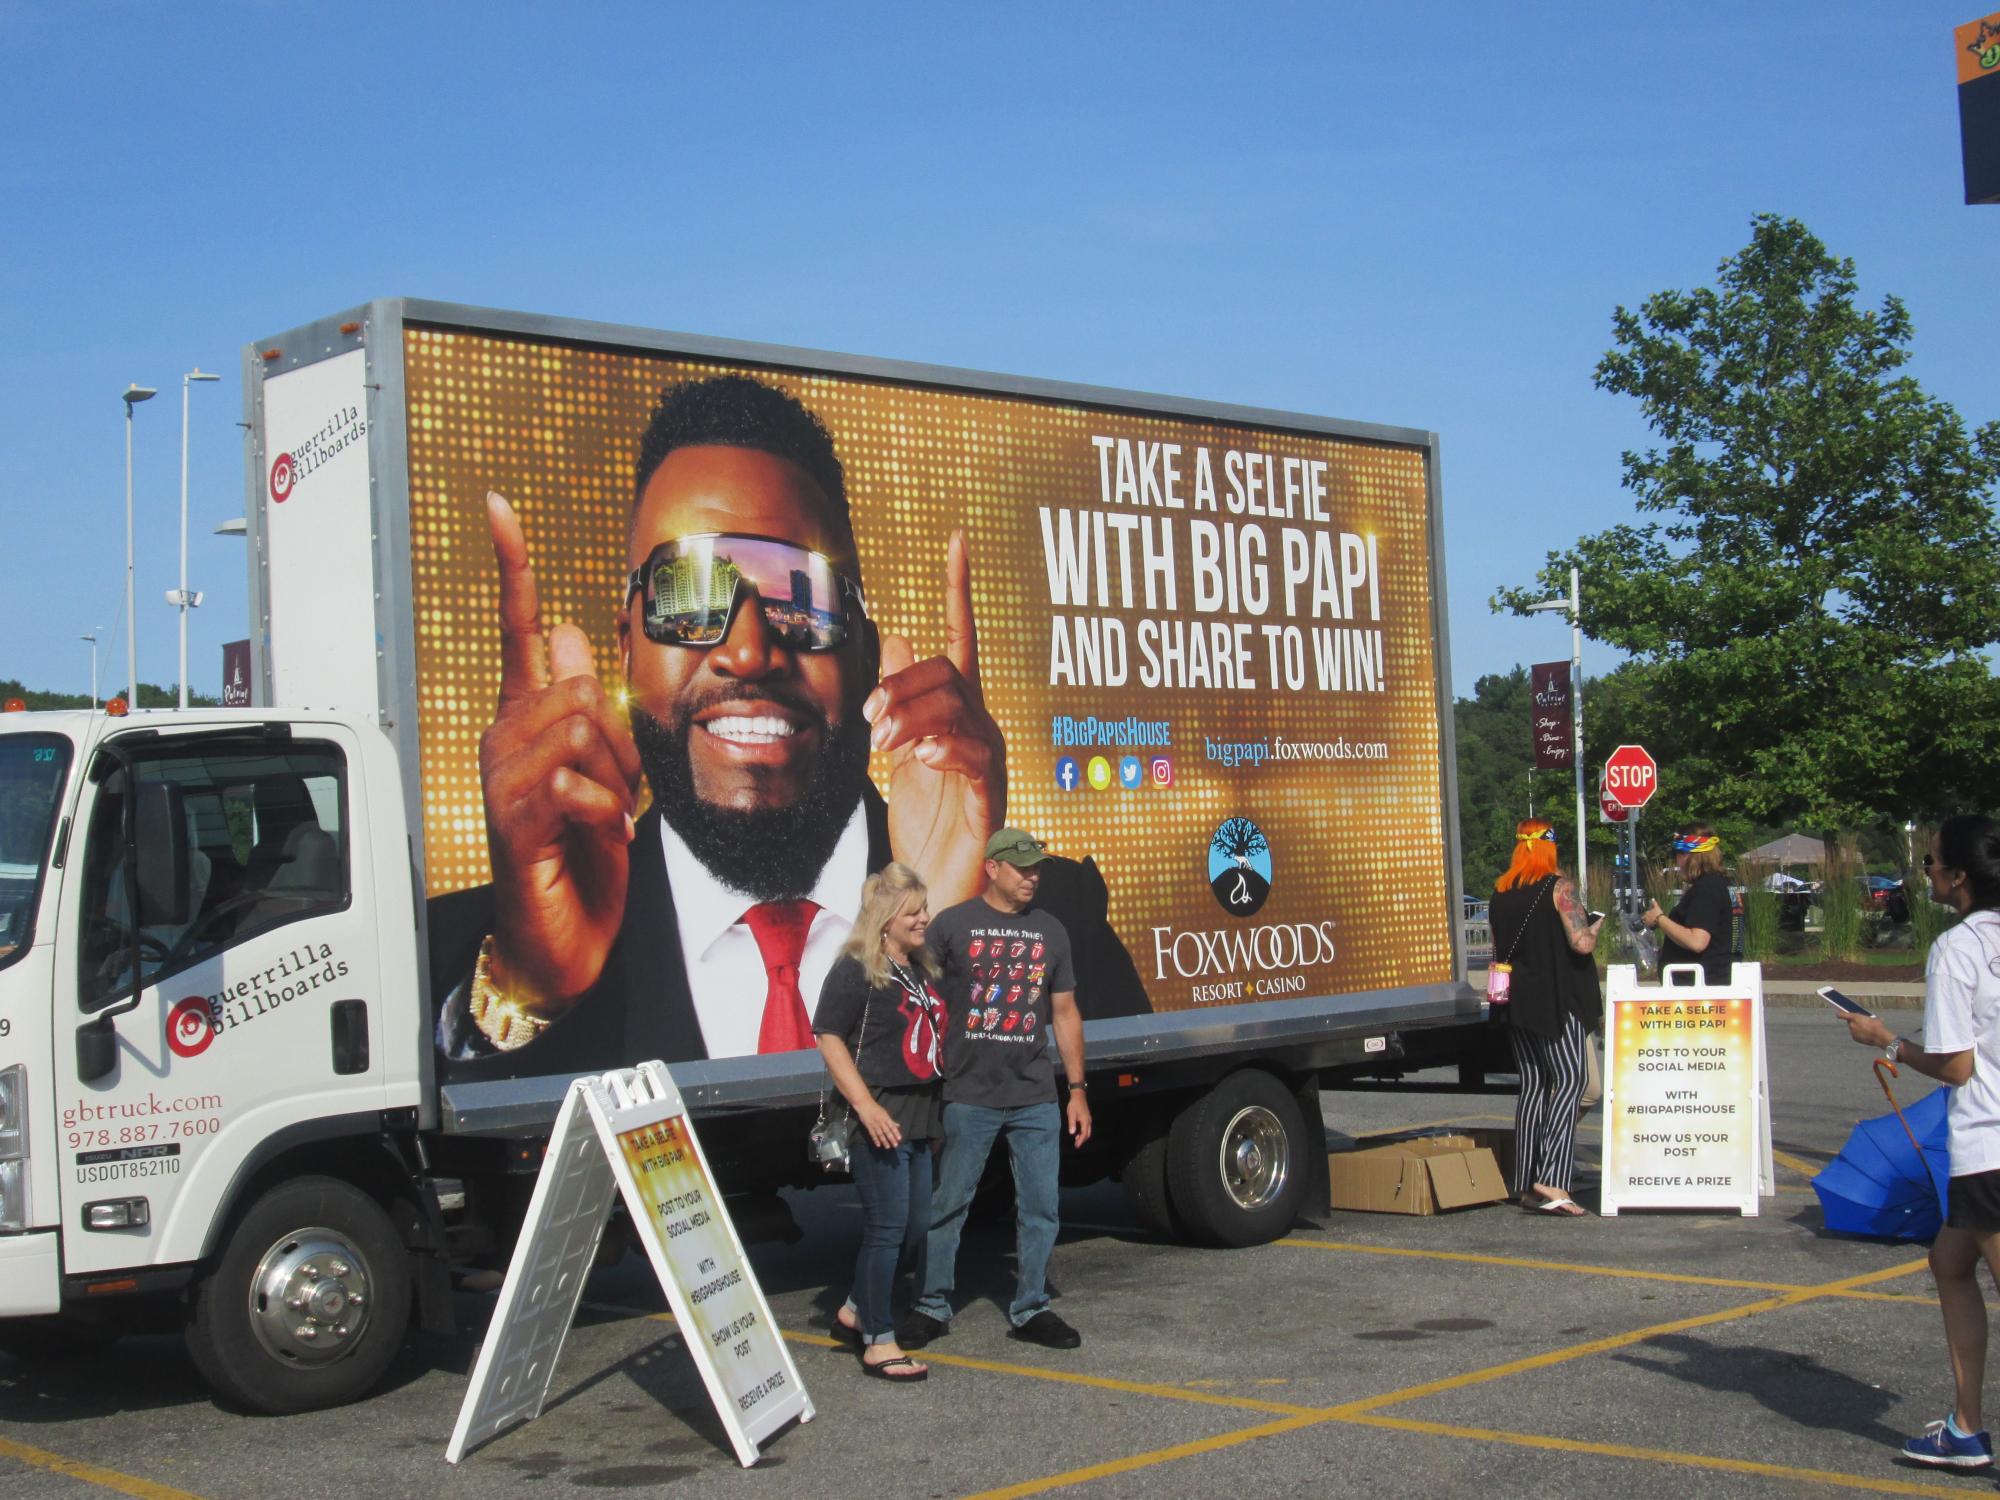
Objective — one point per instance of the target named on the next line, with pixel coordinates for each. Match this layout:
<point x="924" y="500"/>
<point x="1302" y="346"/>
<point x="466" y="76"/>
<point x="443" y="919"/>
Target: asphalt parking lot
<point x="1485" y="1352"/>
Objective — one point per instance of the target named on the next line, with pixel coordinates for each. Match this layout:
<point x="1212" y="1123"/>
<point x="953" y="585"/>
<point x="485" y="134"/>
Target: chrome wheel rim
<point x="1255" y="1163"/>
<point x="310" y="1298"/>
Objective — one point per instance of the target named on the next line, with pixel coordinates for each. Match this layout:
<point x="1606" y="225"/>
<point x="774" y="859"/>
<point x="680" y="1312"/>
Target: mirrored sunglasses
<point x="691" y="588"/>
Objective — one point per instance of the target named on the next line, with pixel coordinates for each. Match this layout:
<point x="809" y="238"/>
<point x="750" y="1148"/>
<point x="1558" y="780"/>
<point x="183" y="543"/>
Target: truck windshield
<point x="33" y="768"/>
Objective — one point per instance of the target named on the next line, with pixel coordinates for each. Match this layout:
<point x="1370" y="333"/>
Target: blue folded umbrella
<point x="1881" y="1185"/>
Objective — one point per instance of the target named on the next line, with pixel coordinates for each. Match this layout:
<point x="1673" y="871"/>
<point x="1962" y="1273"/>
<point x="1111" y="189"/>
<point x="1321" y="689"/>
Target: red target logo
<point x="284" y="474"/>
<point x="190" y="1027"/>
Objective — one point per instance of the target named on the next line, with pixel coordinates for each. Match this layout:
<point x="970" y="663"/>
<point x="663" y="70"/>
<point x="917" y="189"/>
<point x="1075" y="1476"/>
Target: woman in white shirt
<point x="1961" y="1048"/>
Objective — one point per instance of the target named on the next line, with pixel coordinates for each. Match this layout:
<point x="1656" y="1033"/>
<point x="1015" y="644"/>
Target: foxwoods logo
<point x="1235" y="950"/>
<point x="1130" y="733"/>
<point x="1239" y="867"/>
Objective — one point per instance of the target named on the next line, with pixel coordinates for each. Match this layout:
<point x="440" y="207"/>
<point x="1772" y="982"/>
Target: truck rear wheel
<point x="309" y="1302"/>
<point x="1236" y="1161"/>
<point x="1147" y="1193"/>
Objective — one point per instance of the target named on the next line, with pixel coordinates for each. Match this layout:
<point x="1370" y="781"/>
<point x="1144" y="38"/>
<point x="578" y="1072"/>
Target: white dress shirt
<point x="725" y="970"/>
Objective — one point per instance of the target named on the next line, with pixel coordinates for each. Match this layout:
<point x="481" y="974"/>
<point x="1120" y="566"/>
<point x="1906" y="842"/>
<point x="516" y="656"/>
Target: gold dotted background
<point x="555" y="429"/>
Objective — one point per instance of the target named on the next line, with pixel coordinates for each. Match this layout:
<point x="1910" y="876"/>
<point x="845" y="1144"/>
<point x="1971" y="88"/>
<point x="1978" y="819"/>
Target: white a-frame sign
<point x="642" y="1145"/>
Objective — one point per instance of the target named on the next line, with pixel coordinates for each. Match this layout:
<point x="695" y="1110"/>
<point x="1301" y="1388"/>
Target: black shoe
<point x="919" y="1329"/>
<point x="1048" y="1330"/>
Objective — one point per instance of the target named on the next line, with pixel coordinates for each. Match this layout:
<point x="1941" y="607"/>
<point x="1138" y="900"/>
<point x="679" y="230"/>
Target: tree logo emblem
<point x="1239" y="866"/>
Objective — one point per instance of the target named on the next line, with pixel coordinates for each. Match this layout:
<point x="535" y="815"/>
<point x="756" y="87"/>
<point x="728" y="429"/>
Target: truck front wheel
<point x="309" y="1302"/>
<point x="1237" y="1161"/>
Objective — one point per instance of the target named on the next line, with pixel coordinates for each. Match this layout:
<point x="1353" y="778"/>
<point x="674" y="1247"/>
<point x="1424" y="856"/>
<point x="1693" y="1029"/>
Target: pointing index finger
<point x="524" y="664"/>
<point x="961" y="635"/>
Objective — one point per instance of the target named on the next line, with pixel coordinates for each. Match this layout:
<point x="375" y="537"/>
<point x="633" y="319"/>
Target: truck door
<point x="258" y="1017"/>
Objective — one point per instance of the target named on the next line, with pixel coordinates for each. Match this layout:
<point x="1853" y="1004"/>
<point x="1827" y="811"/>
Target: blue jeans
<point x="895" y="1211"/>
<point x="1034" y="1142"/>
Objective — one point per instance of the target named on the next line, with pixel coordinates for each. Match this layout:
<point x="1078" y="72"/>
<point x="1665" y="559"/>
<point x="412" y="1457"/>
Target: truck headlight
<point x="13" y="1113"/>
<point x="13" y="1197"/>
<point x="13" y="1149"/>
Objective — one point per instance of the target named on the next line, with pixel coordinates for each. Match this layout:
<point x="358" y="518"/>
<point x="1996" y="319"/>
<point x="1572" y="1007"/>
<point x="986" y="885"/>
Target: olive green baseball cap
<point x="1016" y="846"/>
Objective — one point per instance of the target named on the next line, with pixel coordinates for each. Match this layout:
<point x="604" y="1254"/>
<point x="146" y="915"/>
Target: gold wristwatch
<point x="506" y="1021"/>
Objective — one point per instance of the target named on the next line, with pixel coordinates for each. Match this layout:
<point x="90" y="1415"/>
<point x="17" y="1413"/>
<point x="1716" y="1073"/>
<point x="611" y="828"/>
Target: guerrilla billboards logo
<point x="1239" y="876"/>
<point x="329" y="440"/>
<point x="195" y="1022"/>
<point x="1239" y="867"/>
<point x="191" y="1026"/>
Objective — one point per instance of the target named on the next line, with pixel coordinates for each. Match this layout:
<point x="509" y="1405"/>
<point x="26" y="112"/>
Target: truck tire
<point x="1237" y="1161"/>
<point x="1147" y="1193"/>
<point x="308" y="1303"/>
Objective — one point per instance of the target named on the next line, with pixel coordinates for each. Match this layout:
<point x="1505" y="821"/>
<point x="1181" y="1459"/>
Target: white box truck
<point x="290" y="991"/>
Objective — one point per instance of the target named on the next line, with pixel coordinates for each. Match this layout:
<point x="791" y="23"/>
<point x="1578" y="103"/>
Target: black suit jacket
<point x="641" y="1007"/>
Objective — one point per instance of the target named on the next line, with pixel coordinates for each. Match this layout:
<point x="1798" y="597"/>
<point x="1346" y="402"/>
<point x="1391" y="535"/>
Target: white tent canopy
<point x="1792" y="849"/>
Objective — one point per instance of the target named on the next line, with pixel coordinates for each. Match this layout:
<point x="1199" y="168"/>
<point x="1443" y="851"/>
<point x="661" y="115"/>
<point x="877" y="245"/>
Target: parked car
<point x="1887" y="896"/>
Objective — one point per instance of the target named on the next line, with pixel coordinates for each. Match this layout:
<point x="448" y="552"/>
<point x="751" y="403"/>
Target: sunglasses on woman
<point x="693" y="586"/>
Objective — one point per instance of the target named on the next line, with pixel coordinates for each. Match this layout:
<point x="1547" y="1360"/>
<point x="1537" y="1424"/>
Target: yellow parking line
<point x="1878" y="1485"/>
<point x="1148" y="1460"/>
<point x="1363" y="1412"/>
<point x="1622" y="1340"/>
<point x="1573" y="1268"/>
<point x="1786" y="1159"/>
<point x="1071" y="1377"/>
<point x="110" y="1479"/>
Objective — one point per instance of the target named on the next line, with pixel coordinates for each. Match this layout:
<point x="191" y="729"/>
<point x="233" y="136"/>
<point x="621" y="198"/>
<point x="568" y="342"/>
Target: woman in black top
<point x="879" y="1024"/>
<point x="1541" y="928"/>
<point x="1697" y="930"/>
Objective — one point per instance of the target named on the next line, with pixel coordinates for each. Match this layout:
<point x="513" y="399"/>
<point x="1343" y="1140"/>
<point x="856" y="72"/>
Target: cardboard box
<point x="1424" y="1176"/>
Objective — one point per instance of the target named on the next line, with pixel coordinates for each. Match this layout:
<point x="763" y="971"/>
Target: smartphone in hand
<point x="1842" y="1004"/>
<point x="1593" y="917"/>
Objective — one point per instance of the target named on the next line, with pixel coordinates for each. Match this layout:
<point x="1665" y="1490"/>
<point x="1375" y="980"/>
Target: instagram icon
<point x="1162" y="771"/>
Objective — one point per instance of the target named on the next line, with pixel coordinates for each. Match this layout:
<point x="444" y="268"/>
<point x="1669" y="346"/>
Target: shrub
<point x="1840" y="902"/>
<point x="1760" y="914"/>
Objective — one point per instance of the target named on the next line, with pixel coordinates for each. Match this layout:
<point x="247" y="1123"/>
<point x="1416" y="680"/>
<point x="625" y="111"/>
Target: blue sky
<point x="1420" y="216"/>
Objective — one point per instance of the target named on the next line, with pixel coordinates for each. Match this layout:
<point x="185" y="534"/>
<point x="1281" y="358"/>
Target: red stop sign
<point x="1631" y="776"/>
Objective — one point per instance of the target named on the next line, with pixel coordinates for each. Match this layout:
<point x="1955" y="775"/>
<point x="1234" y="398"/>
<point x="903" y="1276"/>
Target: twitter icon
<point x="1128" y="773"/>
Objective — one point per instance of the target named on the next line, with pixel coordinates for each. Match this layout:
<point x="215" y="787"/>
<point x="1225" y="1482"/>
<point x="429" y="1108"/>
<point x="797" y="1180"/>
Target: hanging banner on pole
<point x="1687" y="1097"/>
<point x="1549" y="688"/>
<point x="627" y="1133"/>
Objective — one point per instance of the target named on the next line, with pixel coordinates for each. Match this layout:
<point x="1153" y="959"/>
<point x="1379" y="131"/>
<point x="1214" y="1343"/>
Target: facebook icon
<point x="1067" y="773"/>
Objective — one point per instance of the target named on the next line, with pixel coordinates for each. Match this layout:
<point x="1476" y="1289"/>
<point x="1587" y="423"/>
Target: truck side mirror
<point x="96" y="1049"/>
<point x="165" y="878"/>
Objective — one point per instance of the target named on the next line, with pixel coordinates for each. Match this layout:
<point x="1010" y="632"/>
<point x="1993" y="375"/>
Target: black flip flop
<point x="848" y="1336"/>
<point x="881" y="1371"/>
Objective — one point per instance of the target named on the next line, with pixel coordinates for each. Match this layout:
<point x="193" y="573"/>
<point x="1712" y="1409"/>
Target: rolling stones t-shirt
<point x="1000" y="968"/>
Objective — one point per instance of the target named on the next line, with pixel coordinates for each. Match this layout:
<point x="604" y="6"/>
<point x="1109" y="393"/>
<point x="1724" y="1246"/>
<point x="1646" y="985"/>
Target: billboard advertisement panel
<point x="851" y="617"/>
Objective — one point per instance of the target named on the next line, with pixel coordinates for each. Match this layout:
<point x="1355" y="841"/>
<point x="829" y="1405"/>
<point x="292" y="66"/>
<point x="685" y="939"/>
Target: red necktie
<point x="780" y="929"/>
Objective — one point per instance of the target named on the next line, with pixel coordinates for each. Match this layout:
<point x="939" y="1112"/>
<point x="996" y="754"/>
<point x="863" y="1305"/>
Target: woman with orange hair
<point x="1541" y="926"/>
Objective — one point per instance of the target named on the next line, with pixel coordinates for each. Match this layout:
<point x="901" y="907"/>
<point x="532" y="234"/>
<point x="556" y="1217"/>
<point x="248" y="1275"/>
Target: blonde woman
<point x="879" y="1026"/>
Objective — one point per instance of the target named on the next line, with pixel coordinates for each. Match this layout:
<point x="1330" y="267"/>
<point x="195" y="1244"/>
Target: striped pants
<point x="1552" y="1073"/>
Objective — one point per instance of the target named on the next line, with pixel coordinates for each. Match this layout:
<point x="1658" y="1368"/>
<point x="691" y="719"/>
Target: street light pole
<point x="1573" y="607"/>
<point x="92" y="638"/>
<point x="134" y="394"/>
<point x="182" y="597"/>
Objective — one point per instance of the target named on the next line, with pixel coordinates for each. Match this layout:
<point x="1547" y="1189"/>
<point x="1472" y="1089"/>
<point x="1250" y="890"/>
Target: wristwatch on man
<point x="1893" y="1050"/>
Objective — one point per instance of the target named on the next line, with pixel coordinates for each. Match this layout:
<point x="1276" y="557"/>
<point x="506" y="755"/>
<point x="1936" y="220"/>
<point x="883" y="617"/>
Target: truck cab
<point x="209" y="992"/>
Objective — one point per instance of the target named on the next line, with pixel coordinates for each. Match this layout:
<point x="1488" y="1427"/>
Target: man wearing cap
<point x="1010" y="991"/>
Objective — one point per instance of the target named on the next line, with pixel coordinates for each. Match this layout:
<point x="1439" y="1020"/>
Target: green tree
<point x="151" y="695"/>
<point x="1498" y="782"/>
<point x="1808" y="618"/>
